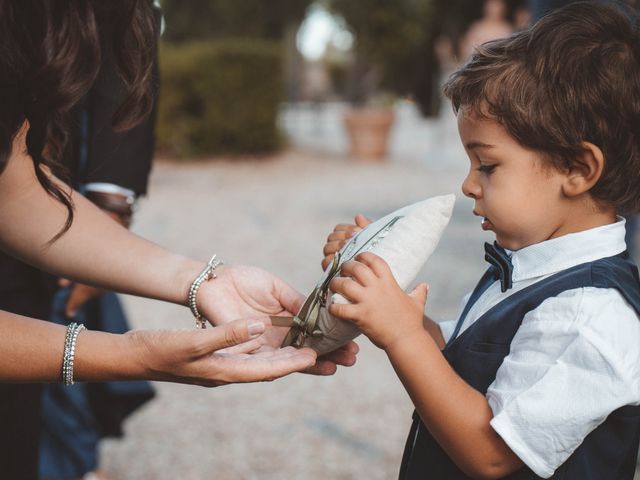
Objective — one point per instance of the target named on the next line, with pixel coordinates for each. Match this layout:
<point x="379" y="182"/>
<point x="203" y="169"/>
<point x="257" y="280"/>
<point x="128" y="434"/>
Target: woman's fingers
<point x="265" y="366"/>
<point x="328" y="363"/>
<point x="289" y="298"/>
<point x="345" y="355"/>
<point x="323" y="368"/>
<point x="234" y="333"/>
<point x="245" y="347"/>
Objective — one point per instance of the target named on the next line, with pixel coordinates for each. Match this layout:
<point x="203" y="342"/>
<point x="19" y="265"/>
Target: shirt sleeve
<point x="574" y="360"/>
<point x="121" y="158"/>
<point x="447" y="327"/>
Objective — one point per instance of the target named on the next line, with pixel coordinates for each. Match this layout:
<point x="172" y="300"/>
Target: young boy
<point x="540" y="376"/>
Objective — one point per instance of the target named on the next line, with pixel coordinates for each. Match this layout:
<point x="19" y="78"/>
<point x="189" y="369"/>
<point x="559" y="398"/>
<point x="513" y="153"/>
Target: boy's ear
<point x="585" y="172"/>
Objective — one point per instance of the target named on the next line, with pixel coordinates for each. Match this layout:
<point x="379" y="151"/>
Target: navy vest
<point x="608" y="452"/>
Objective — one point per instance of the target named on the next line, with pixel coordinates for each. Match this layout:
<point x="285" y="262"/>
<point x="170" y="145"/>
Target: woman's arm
<point x="33" y="352"/>
<point x="95" y="250"/>
<point x="98" y="251"/>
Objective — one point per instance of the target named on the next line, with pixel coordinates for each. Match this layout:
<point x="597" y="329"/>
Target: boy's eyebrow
<point x="473" y="144"/>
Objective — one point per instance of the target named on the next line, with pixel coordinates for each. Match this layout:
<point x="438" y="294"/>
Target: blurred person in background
<point x="491" y="26"/>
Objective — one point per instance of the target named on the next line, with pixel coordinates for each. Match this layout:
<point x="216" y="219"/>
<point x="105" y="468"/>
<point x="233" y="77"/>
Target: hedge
<point x="219" y="97"/>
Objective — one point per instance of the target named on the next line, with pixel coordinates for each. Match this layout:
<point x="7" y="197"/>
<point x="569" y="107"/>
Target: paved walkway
<point x="275" y="213"/>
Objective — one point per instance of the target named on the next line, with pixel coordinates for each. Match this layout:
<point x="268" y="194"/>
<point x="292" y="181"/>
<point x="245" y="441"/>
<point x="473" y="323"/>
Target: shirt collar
<point x="552" y="256"/>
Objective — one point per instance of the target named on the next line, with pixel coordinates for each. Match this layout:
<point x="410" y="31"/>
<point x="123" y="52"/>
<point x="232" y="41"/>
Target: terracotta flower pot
<point x="369" y="130"/>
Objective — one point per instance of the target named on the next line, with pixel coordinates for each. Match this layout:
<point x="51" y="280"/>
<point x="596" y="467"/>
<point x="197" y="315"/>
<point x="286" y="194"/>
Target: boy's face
<point x="517" y="195"/>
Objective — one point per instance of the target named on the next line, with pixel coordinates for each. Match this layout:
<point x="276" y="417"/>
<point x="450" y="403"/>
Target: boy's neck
<point x="589" y="216"/>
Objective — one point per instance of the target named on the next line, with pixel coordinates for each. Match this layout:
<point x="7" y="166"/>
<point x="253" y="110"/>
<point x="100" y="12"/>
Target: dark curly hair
<point x="50" y="53"/>
<point x="572" y="77"/>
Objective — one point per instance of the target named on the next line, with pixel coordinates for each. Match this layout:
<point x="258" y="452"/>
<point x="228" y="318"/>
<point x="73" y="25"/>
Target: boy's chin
<point x="511" y="244"/>
<point x="508" y="243"/>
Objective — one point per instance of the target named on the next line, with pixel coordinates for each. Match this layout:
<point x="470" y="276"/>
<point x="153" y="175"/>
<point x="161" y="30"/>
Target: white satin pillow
<point x="405" y="239"/>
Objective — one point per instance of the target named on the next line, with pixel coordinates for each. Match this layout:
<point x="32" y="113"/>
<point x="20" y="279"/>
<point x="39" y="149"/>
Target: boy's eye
<point x="486" y="168"/>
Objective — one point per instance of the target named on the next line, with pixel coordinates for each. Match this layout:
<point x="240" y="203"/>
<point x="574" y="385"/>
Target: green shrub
<point x="219" y="97"/>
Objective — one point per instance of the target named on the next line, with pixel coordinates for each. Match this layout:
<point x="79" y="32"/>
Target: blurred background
<point x="276" y="121"/>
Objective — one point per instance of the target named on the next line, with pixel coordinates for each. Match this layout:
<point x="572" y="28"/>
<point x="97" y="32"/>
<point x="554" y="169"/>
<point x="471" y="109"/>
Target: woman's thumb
<point x="236" y="332"/>
<point x="419" y="294"/>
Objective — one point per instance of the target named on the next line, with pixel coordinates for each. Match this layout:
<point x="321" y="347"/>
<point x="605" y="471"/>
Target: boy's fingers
<point x="359" y="271"/>
<point x="326" y="261"/>
<point x="332" y="247"/>
<point x="344" y="227"/>
<point x="346" y="287"/>
<point x="375" y="263"/>
<point x="362" y="221"/>
<point x="344" y="310"/>
<point x="340" y="236"/>
<point x="419" y="294"/>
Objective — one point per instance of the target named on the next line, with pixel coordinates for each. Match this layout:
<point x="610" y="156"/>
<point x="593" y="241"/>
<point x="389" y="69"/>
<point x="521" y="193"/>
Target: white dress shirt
<point x="574" y="359"/>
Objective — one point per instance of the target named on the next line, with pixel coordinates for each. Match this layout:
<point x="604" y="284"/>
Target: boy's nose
<point x="470" y="188"/>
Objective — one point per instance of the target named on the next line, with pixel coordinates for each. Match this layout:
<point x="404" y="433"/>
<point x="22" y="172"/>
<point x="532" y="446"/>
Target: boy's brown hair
<point x="572" y="77"/>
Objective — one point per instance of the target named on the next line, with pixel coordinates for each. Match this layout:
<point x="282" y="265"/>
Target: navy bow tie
<point x="500" y="263"/>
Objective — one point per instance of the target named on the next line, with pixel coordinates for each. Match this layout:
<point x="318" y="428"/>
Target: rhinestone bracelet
<point x="70" y="351"/>
<point x="205" y="275"/>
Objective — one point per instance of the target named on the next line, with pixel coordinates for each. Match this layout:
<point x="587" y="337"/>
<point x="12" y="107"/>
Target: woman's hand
<point x="341" y="235"/>
<point x="79" y="295"/>
<point x="243" y="291"/>
<point x="379" y="307"/>
<point x="326" y="364"/>
<point x="215" y="356"/>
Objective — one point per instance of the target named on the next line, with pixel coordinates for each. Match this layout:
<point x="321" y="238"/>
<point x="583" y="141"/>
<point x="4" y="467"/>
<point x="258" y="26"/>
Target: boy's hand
<point x="341" y="235"/>
<point x="379" y="307"/>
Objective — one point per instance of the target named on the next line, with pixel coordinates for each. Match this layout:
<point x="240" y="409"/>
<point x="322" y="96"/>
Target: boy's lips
<point x="486" y="224"/>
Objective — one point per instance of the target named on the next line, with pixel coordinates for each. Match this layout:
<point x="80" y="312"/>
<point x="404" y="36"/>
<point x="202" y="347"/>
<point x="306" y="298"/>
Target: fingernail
<point x="256" y="329"/>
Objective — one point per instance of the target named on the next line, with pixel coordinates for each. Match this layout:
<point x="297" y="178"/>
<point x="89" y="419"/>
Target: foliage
<point x="219" y="97"/>
<point x="388" y="38"/>
<point x="207" y="19"/>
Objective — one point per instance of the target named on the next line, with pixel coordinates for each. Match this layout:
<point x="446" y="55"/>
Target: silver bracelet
<point x="205" y="275"/>
<point x="70" y="351"/>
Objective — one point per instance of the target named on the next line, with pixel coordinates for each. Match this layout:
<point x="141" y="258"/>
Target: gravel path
<point x="275" y="213"/>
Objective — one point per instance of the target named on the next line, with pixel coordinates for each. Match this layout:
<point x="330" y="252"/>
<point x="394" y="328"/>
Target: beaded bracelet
<point x="205" y="275"/>
<point x="70" y="352"/>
